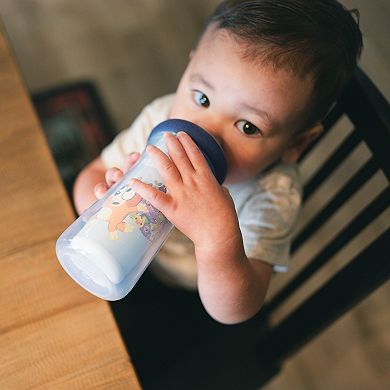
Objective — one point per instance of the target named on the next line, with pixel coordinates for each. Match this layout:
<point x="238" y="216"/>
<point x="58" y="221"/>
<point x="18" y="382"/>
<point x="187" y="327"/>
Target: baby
<point x="261" y="78"/>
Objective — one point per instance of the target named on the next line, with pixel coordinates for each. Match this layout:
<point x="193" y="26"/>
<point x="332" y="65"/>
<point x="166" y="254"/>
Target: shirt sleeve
<point x="268" y="218"/>
<point x="134" y="138"/>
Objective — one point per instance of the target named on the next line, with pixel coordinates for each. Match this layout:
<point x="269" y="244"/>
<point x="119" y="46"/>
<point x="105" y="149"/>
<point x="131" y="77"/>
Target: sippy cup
<point x="109" y="246"/>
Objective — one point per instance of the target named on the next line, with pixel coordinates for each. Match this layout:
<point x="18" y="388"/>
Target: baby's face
<point x="250" y="108"/>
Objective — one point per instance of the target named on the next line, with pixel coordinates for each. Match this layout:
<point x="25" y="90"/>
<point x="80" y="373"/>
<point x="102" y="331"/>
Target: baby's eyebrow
<point x="197" y="78"/>
<point x="257" y="111"/>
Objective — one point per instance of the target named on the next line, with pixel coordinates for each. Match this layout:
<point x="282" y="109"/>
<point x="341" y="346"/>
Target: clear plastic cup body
<point x="107" y="249"/>
<point x="109" y="246"/>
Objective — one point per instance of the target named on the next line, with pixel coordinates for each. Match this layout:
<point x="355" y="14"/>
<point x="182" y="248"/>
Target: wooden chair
<point x="247" y="355"/>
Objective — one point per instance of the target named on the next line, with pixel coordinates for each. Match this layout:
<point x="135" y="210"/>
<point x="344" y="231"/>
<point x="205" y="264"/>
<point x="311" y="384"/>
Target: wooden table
<point x="53" y="334"/>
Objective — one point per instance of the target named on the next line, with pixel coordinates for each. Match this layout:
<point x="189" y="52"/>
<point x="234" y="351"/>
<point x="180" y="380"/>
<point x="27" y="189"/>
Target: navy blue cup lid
<point x="205" y="142"/>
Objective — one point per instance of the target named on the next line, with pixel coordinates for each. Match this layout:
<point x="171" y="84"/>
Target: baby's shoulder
<point x="279" y="185"/>
<point x="281" y="177"/>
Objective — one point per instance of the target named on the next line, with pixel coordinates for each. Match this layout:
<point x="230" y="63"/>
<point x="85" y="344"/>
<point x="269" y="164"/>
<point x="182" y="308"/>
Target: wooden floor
<point x="135" y="51"/>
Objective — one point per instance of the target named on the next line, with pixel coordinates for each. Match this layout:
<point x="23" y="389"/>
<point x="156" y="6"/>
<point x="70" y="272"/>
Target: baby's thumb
<point x="131" y="160"/>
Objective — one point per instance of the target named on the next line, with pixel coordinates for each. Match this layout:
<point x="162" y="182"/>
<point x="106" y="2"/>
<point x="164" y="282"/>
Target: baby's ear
<point x="300" y="143"/>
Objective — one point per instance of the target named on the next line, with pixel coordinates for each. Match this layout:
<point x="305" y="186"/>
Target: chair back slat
<point x="353" y="185"/>
<point x="334" y="161"/>
<point x="342" y="238"/>
<point x="366" y="272"/>
<point x="366" y="106"/>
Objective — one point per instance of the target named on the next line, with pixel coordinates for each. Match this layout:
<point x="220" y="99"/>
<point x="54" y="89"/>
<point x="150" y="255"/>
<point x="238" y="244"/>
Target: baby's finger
<point x="178" y="155"/>
<point x="165" y="166"/>
<point x="113" y="175"/>
<point x="131" y="160"/>
<point x="100" y="189"/>
<point x="159" y="199"/>
<point x="194" y="154"/>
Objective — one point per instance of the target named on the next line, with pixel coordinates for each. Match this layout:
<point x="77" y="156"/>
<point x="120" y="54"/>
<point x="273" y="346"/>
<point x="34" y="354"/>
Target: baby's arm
<point x="231" y="286"/>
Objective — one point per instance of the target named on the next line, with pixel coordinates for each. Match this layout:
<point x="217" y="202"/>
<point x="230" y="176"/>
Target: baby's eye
<point x="248" y="128"/>
<point x="201" y="99"/>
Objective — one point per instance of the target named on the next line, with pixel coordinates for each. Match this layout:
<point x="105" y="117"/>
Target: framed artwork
<point x="76" y="125"/>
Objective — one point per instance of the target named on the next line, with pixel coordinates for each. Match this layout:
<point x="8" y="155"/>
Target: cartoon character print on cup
<point x="124" y="203"/>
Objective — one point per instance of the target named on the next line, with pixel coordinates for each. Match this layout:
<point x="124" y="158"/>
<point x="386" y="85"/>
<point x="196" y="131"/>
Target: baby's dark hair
<point x="312" y="38"/>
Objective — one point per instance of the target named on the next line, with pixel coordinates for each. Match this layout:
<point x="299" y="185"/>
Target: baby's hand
<point x="113" y="175"/>
<point x="195" y="203"/>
